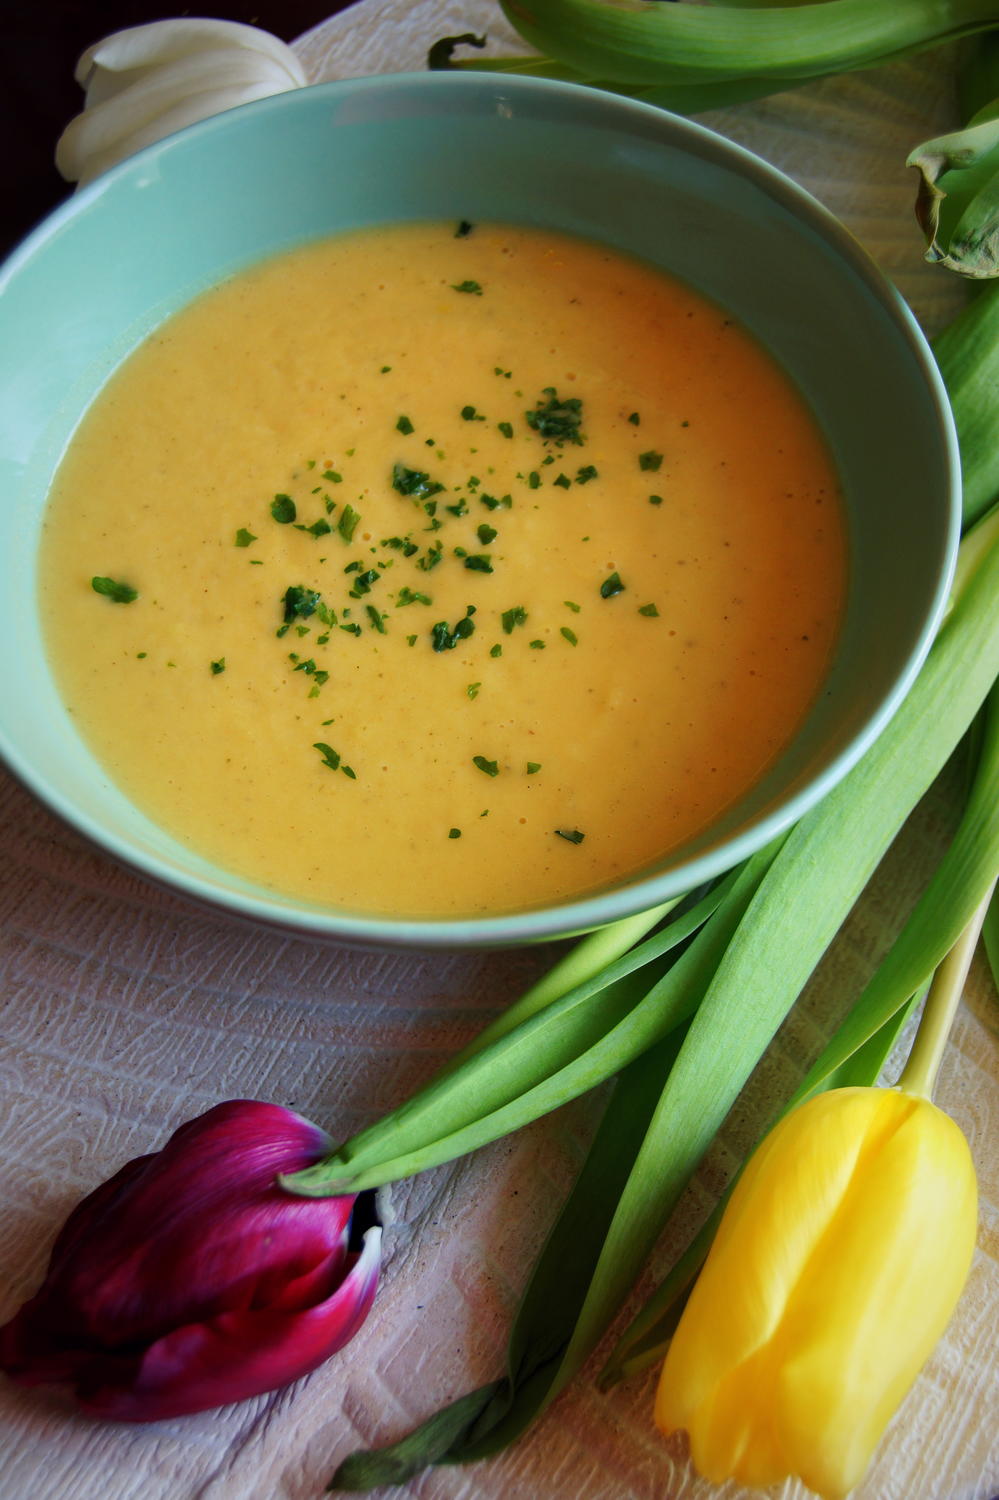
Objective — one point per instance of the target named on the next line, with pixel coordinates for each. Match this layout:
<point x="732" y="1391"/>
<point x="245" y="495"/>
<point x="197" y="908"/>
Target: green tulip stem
<point x="920" y="1073"/>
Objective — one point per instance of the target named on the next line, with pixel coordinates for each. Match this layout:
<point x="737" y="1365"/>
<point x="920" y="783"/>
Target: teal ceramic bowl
<point x="125" y="253"/>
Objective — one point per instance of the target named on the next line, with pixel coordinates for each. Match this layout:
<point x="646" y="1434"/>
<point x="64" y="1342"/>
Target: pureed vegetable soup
<point x="440" y="570"/>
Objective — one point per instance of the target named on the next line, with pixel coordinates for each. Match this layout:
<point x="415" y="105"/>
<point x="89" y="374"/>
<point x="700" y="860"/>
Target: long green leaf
<point x="967" y="352"/>
<point x="652" y="43"/>
<point x="959" y="883"/>
<point x="618" y="1033"/>
<point x="551" y="1301"/>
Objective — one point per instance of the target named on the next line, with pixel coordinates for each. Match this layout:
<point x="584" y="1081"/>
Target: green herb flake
<point x="299" y="602"/>
<point x="611" y="586"/>
<point x="649" y="610"/>
<point x="318" y="528"/>
<point x="479" y="562"/>
<point x="655" y="499"/>
<point x="454" y="833"/>
<point x="570" y="605"/>
<point x="411" y="596"/>
<point x="585" y="474"/>
<point x="491" y="502"/>
<point x="333" y="476"/>
<point x="330" y="756"/>
<point x="472" y="691"/>
<point x="405" y="426"/>
<point x="244" y="538"/>
<point x="487" y="767"/>
<point x="538" y="645"/>
<point x="506" y="428"/>
<point x="471" y="287"/>
<point x="563" y="481"/>
<point x="533" y="766"/>
<point x="496" y="650"/>
<point x="414" y="482"/>
<point x="347" y="523"/>
<point x="635" y="419"/>
<point x="469" y="414"/>
<point x="571" y="835"/>
<point x="650" y="462"/>
<point x="283" y="509"/>
<point x="534" y="479"/>
<point x="444" y="638"/>
<point x="570" y="635"/>
<point x="463" y="230"/>
<point x="217" y="666"/>
<point x="557" y="420"/>
<point x="513" y="617"/>
<point x="486" y="533"/>
<point x="118" y="593"/>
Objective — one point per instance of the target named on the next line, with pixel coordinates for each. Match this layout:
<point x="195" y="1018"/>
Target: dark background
<point x="40" y="41"/>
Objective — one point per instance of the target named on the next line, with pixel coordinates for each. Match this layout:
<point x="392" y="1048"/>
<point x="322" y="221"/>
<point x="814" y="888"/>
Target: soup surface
<point x="443" y="569"/>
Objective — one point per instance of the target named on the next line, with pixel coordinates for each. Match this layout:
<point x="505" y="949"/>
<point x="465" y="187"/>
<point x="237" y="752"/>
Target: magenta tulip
<point x="191" y="1279"/>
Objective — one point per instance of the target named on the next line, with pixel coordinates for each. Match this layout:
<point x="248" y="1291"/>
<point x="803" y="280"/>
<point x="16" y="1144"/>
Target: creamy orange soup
<point x="443" y="570"/>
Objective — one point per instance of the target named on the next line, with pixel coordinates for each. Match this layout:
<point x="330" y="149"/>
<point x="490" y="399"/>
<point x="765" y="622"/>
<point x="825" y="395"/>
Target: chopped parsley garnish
<point x="611" y="586"/>
<point x="506" y="428"/>
<point x="570" y="635"/>
<point x="513" y="617"/>
<point x="376" y="617"/>
<point x="655" y="499"/>
<point x="330" y="756"/>
<point x="414" y="482"/>
<point x="405" y="426"/>
<point x="649" y="610"/>
<point x="467" y="286"/>
<point x="443" y="638"/>
<point x="479" y="562"/>
<point x="571" y="835"/>
<point x="634" y="419"/>
<point x="486" y="533"/>
<point x="299" y="602"/>
<point x="318" y="528"/>
<point x="538" y="645"/>
<point x="347" y="523"/>
<point x="534" y="479"/>
<point x="118" y="593"/>
<point x="496" y="650"/>
<point x="333" y="476"/>
<point x="469" y="414"/>
<point x="487" y="767"/>
<point x="283" y="509"/>
<point x="492" y="503"/>
<point x="454" y="833"/>
<point x="430" y="558"/>
<point x="585" y="474"/>
<point x="463" y="230"/>
<point x="218" y="666"/>
<point x="557" y="420"/>
<point x="651" y="462"/>
<point x="244" y="538"/>
<point x="363" y="582"/>
<point x="533" y="766"/>
<point x="410" y="596"/>
<point x="472" y="691"/>
<point x="461" y="509"/>
<point x="563" y="481"/>
<point x="570" y="605"/>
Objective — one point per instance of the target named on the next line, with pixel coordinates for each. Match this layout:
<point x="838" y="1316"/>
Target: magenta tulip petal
<point x="236" y="1355"/>
<point x="191" y="1279"/>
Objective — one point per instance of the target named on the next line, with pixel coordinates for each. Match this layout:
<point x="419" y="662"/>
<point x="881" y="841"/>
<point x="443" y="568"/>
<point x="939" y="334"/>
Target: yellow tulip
<point x="836" y="1267"/>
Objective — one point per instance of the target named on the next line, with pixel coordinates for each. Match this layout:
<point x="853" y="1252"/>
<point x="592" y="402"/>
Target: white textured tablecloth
<point x="125" y="1011"/>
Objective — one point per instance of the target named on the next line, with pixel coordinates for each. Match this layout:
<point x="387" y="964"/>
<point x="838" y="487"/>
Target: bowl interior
<point x="143" y="240"/>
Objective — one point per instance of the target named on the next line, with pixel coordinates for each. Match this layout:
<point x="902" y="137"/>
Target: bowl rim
<point x="567" y="918"/>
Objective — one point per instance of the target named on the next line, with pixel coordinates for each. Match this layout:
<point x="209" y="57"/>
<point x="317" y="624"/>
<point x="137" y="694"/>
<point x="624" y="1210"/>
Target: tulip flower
<point x="191" y="1279"/>
<point x="835" y="1269"/>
